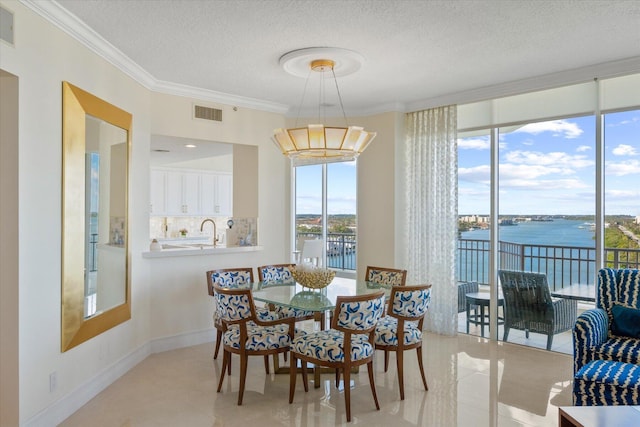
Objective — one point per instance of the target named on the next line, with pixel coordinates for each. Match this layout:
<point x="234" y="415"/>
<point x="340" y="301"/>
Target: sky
<point x="546" y="168"/>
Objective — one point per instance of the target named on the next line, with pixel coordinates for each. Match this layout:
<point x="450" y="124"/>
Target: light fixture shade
<point x="319" y="144"/>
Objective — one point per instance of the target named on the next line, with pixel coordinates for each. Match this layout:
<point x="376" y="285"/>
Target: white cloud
<point x="558" y="127"/>
<point x="627" y="167"/>
<point x="583" y="148"/>
<point x="553" y="159"/>
<point x="481" y="174"/>
<point x="625" y="150"/>
<point x="542" y="184"/>
<point x="621" y="195"/>
<point x="474" y="144"/>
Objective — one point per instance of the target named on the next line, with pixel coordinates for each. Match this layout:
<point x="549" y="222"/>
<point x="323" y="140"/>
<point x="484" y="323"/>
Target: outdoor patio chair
<point x="528" y="305"/>
<point x="349" y="343"/>
<point x="406" y="310"/>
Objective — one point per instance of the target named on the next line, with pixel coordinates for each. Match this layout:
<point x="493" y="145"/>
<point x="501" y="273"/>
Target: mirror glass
<point x="95" y="276"/>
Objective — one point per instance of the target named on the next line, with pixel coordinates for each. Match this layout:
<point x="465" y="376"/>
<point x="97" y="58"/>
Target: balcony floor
<point x="562" y="343"/>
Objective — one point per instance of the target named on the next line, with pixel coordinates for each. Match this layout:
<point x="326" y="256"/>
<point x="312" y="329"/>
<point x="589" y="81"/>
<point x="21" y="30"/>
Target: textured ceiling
<point x="415" y="51"/>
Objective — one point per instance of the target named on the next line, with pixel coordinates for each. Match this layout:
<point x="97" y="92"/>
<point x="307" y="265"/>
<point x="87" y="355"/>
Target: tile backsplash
<point x="171" y="227"/>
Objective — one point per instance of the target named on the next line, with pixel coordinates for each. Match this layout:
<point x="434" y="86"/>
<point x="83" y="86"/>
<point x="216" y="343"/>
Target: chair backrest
<point x="525" y="294"/>
<point x="386" y="276"/>
<point x="313" y="251"/>
<point x="409" y="302"/>
<point x="275" y="273"/>
<point x="465" y="288"/>
<point x="358" y="313"/>
<point x="617" y="286"/>
<point x="229" y="277"/>
<point x="234" y="304"/>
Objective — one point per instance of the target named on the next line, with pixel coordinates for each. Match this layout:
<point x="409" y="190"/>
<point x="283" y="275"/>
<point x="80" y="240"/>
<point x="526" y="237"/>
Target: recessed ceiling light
<point x="190" y="146"/>
<point x="158" y="150"/>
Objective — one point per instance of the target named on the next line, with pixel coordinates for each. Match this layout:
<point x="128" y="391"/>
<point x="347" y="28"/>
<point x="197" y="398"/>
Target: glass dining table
<point x="319" y="301"/>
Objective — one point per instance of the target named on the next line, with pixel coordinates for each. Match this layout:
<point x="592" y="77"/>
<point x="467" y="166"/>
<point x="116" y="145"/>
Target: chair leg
<point x="337" y="377"/>
<point x="229" y="365"/>
<point x="373" y="384"/>
<point x="225" y="360"/>
<point x="305" y="377"/>
<point x="386" y="360"/>
<point x="549" y="341"/>
<point x="506" y="333"/>
<point x="292" y="377"/>
<point x="346" y="374"/>
<point x="266" y="363"/>
<point x="399" y="365"/>
<point x="420" y="365"/>
<point x="218" y="339"/>
<point x="244" y="359"/>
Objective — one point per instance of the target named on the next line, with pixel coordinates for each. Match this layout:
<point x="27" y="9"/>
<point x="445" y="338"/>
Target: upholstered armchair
<point x="602" y="333"/>
<point x="528" y="305"/>
<point x="274" y="274"/>
<point x="245" y="334"/>
<point x="401" y="328"/>
<point x="232" y="278"/>
<point x="349" y="343"/>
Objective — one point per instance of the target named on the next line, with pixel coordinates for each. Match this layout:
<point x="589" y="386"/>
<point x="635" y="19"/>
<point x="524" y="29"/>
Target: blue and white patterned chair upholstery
<point x="607" y="366"/>
<point x="528" y="305"/>
<point x="282" y="273"/>
<point x="348" y="343"/>
<point x="592" y="336"/>
<point x="232" y="278"/>
<point x="405" y="315"/>
<point x="245" y="334"/>
<point x="386" y="276"/>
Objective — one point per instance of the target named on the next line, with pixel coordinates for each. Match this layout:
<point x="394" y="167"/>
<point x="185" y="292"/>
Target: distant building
<point x="475" y="218"/>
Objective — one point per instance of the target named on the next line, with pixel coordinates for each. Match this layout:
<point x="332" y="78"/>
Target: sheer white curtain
<point x="432" y="211"/>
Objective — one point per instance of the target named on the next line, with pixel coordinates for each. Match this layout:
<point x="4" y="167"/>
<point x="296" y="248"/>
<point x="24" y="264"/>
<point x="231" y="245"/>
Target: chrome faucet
<point x="215" y="232"/>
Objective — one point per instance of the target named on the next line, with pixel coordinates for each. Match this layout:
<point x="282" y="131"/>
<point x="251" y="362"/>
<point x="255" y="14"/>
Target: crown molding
<point x="70" y="24"/>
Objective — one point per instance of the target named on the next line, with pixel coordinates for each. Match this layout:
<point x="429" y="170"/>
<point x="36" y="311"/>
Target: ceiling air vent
<point x="207" y="113"/>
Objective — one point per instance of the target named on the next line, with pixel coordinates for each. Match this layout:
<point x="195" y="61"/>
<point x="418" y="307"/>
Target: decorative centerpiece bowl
<point x="316" y="278"/>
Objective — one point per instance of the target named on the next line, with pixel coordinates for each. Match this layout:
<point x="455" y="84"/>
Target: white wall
<point x="42" y="58"/>
<point x="9" y="246"/>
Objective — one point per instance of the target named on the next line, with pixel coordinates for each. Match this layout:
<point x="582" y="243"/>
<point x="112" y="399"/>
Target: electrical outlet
<point x="53" y="381"/>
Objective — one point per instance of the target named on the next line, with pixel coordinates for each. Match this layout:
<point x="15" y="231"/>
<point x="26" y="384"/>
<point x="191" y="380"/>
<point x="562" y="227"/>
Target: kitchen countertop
<point x="195" y="249"/>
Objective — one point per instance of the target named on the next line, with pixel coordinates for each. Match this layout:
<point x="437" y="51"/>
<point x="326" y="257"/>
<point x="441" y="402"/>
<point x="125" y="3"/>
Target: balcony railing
<point x="341" y="249"/>
<point x="563" y="265"/>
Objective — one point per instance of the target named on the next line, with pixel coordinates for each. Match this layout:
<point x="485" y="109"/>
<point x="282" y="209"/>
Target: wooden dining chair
<point x="405" y="314"/>
<point x="245" y="334"/>
<point x="347" y="344"/>
<point x="274" y="273"/>
<point x="390" y="277"/>
<point x="232" y="278"/>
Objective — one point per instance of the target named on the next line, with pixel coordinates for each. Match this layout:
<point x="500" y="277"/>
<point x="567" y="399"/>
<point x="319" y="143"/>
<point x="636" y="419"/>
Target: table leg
<point x="468" y="314"/>
<point x="482" y="320"/>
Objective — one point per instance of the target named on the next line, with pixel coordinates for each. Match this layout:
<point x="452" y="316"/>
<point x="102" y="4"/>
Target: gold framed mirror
<point x="96" y="141"/>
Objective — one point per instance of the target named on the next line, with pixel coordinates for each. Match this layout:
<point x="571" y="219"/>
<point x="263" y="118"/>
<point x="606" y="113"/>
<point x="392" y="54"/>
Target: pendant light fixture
<point x="319" y="143"/>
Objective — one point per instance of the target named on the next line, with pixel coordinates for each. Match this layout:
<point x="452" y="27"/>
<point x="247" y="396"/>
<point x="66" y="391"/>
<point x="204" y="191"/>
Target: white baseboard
<point x="70" y="403"/>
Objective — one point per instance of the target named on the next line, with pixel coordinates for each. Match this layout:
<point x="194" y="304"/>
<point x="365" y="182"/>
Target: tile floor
<point x="472" y="382"/>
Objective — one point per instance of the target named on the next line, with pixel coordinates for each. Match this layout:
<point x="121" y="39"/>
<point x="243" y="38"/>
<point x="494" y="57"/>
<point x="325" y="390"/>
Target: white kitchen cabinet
<point x="177" y="192"/>
<point x="216" y="194"/>
<point x="183" y="193"/>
